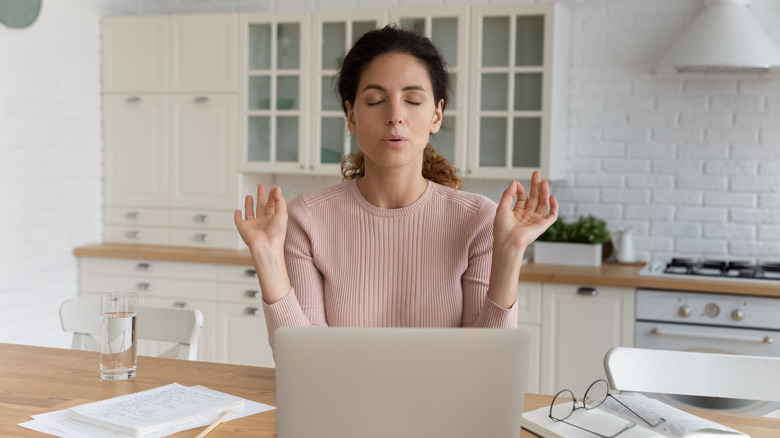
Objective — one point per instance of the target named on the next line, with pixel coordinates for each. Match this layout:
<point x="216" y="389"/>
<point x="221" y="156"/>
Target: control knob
<point x="684" y="311"/>
<point x="738" y="315"/>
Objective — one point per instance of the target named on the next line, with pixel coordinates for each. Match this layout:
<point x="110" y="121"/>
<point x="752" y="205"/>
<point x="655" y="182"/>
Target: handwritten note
<point x="146" y="412"/>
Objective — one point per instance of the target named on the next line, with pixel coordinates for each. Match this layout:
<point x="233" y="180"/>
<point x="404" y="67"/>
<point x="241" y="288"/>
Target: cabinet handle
<point x="253" y="294"/>
<point x="181" y="305"/>
<point x="134" y="99"/>
<point x="250" y="273"/>
<point x="144" y="267"/>
<point x="204" y="218"/>
<point x="202" y="99"/>
<point x="202" y="237"/>
<point x="134" y="215"/>
<point x="132" y="234"/>
<point x="589" y="291"/>
<point x="146" y="287"/>
<point x="253" y="311"/>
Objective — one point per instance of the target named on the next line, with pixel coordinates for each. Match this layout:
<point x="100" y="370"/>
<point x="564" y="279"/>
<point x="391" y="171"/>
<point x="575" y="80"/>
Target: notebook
<point x="400" y="382"/>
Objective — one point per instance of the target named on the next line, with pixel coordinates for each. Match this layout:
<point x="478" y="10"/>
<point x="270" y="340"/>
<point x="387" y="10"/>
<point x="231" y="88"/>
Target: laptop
<point x="400" y="382"/>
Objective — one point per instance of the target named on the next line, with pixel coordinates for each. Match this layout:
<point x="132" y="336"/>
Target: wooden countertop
<point x="609" y="274"/>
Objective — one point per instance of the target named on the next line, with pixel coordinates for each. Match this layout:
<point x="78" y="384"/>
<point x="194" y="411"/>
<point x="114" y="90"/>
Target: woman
<point x="395" y="244"/>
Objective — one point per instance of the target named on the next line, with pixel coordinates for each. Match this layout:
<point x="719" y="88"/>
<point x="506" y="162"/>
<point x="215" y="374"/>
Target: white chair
<point x="82" y="318"/>
<point x="693" y="373"/>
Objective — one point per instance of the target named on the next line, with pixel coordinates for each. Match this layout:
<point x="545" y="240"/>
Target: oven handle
<point x="762" y="340"/>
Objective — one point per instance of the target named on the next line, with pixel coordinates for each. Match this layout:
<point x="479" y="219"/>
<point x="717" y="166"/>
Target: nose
<point x="395" y="113"/>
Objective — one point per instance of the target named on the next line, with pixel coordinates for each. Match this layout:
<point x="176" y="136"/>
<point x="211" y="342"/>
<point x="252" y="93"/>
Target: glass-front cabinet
<point x="275" y="91"/>
<point x="448" y="29"/>
<point x="518" y="91"/>
<point x="335" y="32"/>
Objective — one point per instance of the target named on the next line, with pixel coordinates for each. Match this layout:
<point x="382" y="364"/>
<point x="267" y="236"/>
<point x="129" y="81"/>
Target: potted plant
<point x="577" y="243"/>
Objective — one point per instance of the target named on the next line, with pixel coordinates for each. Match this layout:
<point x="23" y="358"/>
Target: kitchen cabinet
<point x="518" y="91"/>
<point x="579" y="325"/>
<point x="170" y="138"/>
<point x="243" y="336"/>
<point x="529" y="317"/>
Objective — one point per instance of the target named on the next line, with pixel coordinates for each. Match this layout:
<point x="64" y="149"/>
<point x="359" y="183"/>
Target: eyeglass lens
<point x="596" y="394"/>
<point x="562" y="405"/>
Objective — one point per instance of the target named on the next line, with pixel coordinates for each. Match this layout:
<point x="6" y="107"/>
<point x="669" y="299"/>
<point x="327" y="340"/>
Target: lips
<point x="394" y="138"/>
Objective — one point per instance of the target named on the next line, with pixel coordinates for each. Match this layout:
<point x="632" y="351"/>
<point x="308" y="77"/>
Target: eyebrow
<point x="381" y="88"/>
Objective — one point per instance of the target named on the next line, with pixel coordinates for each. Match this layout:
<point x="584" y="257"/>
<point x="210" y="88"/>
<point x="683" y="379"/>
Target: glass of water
<point x="118" y="312"/>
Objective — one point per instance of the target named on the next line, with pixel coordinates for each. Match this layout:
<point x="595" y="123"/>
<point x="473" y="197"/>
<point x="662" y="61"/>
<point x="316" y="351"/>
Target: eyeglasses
<point x="564" y="404"/>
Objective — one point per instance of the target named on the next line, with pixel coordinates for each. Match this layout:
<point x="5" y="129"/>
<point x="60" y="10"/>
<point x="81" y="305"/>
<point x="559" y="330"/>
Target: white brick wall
<point x="691" y="161"/>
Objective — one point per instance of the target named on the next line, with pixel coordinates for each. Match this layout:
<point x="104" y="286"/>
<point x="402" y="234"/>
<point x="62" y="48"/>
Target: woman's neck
<point x="391" y="192"/>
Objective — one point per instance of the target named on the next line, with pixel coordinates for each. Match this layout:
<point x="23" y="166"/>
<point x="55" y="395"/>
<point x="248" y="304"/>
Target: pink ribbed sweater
<point x="353" y="264"/>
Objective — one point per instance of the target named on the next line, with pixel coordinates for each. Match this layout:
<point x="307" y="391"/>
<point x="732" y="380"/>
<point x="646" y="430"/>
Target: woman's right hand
<point x="263" y="230"/>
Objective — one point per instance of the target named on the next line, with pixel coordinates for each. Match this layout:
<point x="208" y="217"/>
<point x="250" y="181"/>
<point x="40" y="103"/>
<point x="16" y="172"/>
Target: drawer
<point x="148" y="287"/>
<point x="237" y="274"/>
<point x="147" y="268"/>
<point x="136" y="235"/>
<point x="136" y="217"/>
<point x="203" y="219"/>
<point x="203" y="238"/>
<point x="240" y="293"/>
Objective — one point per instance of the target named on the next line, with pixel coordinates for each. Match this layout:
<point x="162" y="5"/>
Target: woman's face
<point x="394" y="112"/>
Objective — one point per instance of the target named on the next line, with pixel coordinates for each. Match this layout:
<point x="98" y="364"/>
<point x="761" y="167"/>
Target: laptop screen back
<point x="400" y="382"/>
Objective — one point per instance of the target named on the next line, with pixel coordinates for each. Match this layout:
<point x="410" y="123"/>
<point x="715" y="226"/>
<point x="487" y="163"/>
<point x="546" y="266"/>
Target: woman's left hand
<point x="517" y="227"/>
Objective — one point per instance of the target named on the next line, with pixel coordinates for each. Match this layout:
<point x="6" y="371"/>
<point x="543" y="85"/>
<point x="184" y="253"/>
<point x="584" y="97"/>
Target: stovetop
<point x="678" y="266"/>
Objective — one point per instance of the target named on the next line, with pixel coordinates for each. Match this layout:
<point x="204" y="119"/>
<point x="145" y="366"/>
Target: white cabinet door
<point x="203" y="52"/>
<point x="203" y="167"/>
<point x="135" y="54"/>
<point x="243" y="335"/>
<point x="136" y="151"/>
<point x="518" y="91"/>
<point x="579" y="325"/>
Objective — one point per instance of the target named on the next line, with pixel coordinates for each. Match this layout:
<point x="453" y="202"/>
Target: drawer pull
<point x="147" y="287"/>
<point x="589" y="291"/>
<point x="253" y="311"/>
<point x="134" y="215"/>
<point x="202" y="237"/>
<point x="253" y="294"/>
<point x="133" y="99"/>
<point x="144" y="266"/>
<point x="202" y="99"/>
<point x="250" y="273"/>
<point x="181" y="305"/>
<point x="203" y="218"/>
<point x="134" y="235"/>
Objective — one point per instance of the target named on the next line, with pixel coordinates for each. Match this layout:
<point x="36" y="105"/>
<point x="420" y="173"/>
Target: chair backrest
<point x="183" y="326"/>
<point x="693" y="373"/>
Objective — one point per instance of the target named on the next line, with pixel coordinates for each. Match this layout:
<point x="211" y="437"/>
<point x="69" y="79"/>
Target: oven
<point x="710" y="322"/>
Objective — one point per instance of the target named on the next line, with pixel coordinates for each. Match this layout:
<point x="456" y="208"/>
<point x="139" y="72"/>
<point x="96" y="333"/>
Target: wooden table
<point x="35" y="380"/>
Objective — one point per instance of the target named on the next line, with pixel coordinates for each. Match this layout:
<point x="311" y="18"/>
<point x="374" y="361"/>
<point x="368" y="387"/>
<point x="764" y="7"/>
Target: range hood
<point x="725" y="37"/>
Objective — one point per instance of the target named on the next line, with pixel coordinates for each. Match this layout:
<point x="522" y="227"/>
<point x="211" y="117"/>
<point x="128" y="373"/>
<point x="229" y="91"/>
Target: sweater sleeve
<point x="478" y="309"/>
<point x="304" y="305"/>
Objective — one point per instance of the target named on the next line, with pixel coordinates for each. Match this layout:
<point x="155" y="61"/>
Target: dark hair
<point x="391" y="39"/>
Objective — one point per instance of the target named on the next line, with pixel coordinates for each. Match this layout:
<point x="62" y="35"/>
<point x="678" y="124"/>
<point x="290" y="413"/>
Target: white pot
<point x="563" y="253"/>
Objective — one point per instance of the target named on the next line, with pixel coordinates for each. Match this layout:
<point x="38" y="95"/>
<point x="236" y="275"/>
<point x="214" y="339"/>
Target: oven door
<point x="683" y="337"/>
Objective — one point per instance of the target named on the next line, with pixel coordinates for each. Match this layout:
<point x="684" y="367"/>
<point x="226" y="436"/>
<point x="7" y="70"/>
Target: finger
<point x="279" y="203"/>
<point x="261" y="200"/>
<point x="272" y="206"/>
<point x="249" y="207"/>
<point x="544" y="199"/>
<point x="533" y="197"/>
<point x="238" y="217"/>
<point x="553" y="208"/>
<point x="508" y="196"/>
<point x="522" y="198"/>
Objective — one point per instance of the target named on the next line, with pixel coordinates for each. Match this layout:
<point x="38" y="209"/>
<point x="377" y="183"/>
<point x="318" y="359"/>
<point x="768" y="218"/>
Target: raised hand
<point x="533" y="213"/>
<point x="263" y="230"/>
<point x="514" y="228"/>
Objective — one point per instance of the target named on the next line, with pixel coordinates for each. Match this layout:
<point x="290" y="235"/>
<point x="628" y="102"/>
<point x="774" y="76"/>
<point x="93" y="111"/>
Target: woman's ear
<point x="350" y="117"/>
<point x="438" y="115"/>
